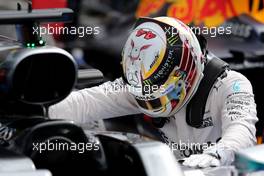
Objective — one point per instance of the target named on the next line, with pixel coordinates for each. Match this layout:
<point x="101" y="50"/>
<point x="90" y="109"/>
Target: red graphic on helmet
<point x="135" y="51"/>
<point x="148" y="34"/>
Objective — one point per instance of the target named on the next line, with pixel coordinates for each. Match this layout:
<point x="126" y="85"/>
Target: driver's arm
<point x="238" y="113"/>
<point x="237" y="110"/>
<point x="105" y="101"/>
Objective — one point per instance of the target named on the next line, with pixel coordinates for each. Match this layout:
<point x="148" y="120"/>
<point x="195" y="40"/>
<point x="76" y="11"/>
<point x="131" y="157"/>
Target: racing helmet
<point x="162" y="65"/>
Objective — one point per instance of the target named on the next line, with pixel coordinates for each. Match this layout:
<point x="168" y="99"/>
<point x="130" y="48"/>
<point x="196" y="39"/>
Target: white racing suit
<point x="228" y="123"/>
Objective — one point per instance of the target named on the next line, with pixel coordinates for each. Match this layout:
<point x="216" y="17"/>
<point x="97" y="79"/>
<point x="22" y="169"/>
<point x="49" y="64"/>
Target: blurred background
<point x="243" y="49"/>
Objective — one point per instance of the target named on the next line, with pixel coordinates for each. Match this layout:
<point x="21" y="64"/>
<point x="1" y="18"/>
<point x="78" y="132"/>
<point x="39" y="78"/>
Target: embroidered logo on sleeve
<point x="236" y="86"/>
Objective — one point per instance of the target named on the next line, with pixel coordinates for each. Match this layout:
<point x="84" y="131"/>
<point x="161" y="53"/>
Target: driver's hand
<point x="202" y="161"/>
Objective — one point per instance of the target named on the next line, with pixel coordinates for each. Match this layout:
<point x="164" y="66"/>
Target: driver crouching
<point x="162" y="73"/>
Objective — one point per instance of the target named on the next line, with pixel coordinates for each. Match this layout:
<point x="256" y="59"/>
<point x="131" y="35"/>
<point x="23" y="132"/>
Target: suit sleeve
<point x="110" y="99"/>
<point x="238" y="113"/>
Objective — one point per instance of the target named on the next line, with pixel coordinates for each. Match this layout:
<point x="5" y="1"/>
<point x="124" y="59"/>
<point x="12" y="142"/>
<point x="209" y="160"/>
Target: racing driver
<point x="163" y="65"/>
